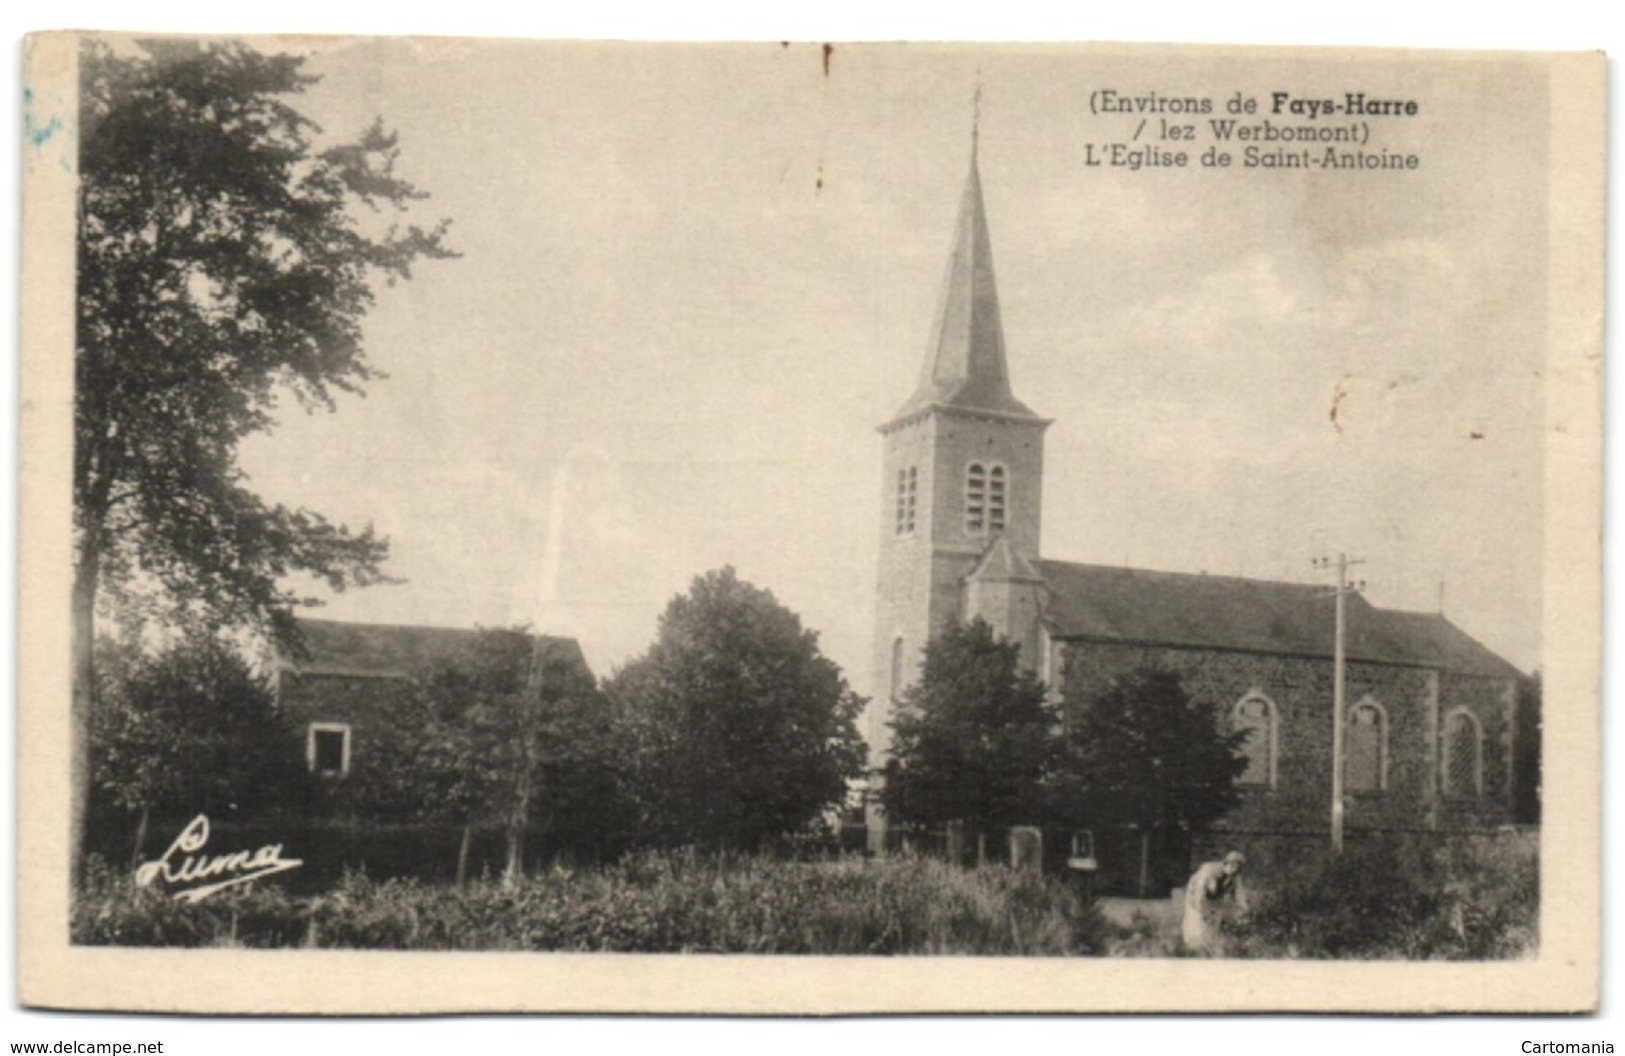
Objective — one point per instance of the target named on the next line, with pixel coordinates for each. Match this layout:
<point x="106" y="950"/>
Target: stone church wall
<point x="1493" y="701"/>
<point x="1414" y="700"/>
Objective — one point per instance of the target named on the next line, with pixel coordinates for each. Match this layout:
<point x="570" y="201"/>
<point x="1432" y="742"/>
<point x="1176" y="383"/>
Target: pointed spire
<point x="976" y="120"/>
<point x="965" y="367"/>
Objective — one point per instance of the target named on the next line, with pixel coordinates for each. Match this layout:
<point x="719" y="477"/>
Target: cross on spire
<point x="976" y="115"/>
<point x="965" y="365"/>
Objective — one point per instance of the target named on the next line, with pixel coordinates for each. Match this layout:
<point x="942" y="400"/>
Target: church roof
<point x="965" y="367"/>
<point x="1456" y="650"/>
<point x="382" y="650"/>
<point x="1228" y="612"/>
<point x="1000" y="563"/>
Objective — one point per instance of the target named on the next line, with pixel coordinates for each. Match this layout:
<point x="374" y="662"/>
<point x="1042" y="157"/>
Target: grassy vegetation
<point x="1455" y="898"/>
<point x="651" y="902"/>
<point x="1458" y="899"/>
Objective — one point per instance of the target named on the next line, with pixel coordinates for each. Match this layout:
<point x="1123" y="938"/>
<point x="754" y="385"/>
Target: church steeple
<point x="962" y="478"/>
<point x="965" y="367"/>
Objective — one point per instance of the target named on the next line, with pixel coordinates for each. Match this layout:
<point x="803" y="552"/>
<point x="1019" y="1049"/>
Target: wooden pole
<point x="462" y="853"/>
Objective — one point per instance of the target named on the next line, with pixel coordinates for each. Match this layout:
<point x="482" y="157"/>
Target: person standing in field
<point x="1214" y="892"/>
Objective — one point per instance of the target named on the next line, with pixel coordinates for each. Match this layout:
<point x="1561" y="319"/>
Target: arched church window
<point x="1463" y="755"/>
<point x="907" y="485"/>
<point x="986" y="494"/>
<point x="1255" y="716"/>
<point x="995" y="498"/>
<point x="976" y="498"/>
<point x="1365" y="748"/>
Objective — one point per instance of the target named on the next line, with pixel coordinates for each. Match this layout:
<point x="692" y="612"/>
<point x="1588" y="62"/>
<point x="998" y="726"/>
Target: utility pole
<point x="1339" y="650"/>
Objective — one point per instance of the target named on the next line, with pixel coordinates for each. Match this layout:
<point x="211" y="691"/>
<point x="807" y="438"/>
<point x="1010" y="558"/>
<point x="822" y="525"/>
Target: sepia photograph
<point x="594" y="513"/>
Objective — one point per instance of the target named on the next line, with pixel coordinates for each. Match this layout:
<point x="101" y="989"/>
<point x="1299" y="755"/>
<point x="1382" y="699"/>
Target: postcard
<point x="567" y="526"/>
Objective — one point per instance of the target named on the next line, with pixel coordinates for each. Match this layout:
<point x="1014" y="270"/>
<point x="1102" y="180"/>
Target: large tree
<point x="973" y="739"/>
<point x="190" y="729"/>
<point x="1526" y="736"/>
<point x="741" y="729"/>
<point x="512" y="730"/>
<point x="1143" y="753"/>
<point x="223" y="260"/>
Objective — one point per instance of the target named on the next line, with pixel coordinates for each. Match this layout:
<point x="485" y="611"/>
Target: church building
<point x="1429" y="712"/>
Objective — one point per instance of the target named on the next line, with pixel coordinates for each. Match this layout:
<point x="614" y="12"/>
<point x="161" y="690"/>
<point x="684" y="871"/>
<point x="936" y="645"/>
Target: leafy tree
<point x="1143" y="753"/>
<point x="221" y="262"/>
<point x="514" y="731"/>
<point x="1526" y="752"/>
<point x="190" y="730"/>
<point x="973" y="739"/>
<point x="740" y="729"/>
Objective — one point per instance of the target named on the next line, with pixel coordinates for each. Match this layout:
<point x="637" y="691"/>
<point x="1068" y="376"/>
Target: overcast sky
<point x="695" y="279"/>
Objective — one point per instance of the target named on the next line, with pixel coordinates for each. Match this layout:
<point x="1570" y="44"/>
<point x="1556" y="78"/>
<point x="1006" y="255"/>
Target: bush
<point x="677" y="901"/>
<point x="112" y="911"/>
<point x="1467" y="898"/>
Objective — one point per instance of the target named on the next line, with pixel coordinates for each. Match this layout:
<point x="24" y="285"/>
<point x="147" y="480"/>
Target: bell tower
<point x="962" y="477"/>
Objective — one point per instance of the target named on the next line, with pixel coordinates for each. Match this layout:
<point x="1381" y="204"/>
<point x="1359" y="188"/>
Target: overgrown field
<point x="672" y="902"/>
<point x="1460" y="898"/>
<point x="1475" y="898"/>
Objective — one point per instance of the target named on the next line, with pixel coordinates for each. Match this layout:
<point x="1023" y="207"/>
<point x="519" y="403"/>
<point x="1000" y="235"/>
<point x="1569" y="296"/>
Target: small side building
<point x="343" y="692"/>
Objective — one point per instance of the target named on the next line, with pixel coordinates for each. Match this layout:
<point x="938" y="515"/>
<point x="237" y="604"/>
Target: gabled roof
<point x="383" y="650"/>
<point x="1429" y="633"/>
<point x="1001" y="564"/>
<point x="1253" y="615"/>
<point x="965" y="368"/>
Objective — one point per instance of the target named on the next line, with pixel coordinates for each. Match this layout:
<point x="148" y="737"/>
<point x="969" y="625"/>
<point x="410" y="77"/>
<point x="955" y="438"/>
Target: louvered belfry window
<point x="986" y="494"/>
<point x="907" y="488"/>
<point x="976" y="499"/>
